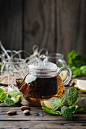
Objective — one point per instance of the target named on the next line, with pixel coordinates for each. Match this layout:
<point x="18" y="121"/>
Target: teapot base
<point x="37" y="101"/>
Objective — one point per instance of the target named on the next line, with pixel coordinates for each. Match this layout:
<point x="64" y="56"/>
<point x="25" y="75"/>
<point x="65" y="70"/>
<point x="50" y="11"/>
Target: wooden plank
<point x="11" y="24"/>
<point x="42" y="124"/>
<point x="76" y="117"/>
<point x="71" y="26"/>
<point x="39" y="27"/>
<point x="35" y="117"/>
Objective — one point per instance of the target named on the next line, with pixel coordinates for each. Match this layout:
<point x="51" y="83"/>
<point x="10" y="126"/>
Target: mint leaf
<point x="75" y="59"/>
<point x="56" y="108"/>
<point x="63" y="100"/>
<point x="9" y="102"/>
<point x="76" y="72"/>
<point x="78" y="99"/>
<point x="75" y="108"/>
<point x="83" y="69"/>
<point x="2" y="95"/>
<point x="1" y="91"/>
<point x="58" y="103"/>
<point x="51" y="112"/>
<point x="13" y="93"/>
<point x="72" y="95"/>
<point x="77" y="63"/>
<point x="66" y="112"/>
<point x="55" y="101"/>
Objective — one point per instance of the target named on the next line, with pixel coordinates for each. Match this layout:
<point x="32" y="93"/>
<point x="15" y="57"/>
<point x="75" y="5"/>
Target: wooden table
<point x="42" y="120"/>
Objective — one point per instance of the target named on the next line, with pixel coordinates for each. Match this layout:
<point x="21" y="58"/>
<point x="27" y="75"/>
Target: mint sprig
<point x="77" y="63"/>
<point x="60" y="108"/>
<point x="6" y="98"/>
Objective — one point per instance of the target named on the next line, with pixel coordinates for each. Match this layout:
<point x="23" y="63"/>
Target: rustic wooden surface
<point x="58" y="25"/>
<point x="11" y="24"/>
<point x="44" y="120"/>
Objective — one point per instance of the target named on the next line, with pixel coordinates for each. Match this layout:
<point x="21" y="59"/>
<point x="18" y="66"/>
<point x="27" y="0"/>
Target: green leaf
<point x="78" y="99"/>
<point x="9" y="95"/>
<point x="75" y="61"/>
<point x="71" y="56"/>
<point x="83" y="69"/>
<point x="75" y="108"/>
<point x="72" y="95"/>
<point x="55" y="101"/>
<point x="1" y="91"/>
<point x="63" y="100"/>
<point x="51" y="112"/>
<point x="76" y="72"/>
<point x="2" y="96"/>
<point x="66" y="112"/>
<point x="55" y="108"/>
<point x="42" y="104"/>
<point x="9" y="102"/>
<point x="73" y="68"/>
<point x="13" y="93"/>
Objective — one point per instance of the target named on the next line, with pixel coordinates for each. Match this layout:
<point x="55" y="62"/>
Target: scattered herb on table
<point x="77" y="63"/>
<point x="60" y="108"/>
<point x="9" y="99"/>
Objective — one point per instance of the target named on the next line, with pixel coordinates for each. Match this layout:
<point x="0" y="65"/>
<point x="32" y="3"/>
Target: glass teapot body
<point x="41" y="83"/>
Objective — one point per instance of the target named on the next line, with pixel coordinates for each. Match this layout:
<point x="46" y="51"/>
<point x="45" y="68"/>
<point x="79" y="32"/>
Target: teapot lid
<point x="43" y="66"/>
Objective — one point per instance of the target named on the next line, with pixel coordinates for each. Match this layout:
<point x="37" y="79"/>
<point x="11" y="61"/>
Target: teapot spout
<point x="19" y="81"/>
<point x="21" y="84"/>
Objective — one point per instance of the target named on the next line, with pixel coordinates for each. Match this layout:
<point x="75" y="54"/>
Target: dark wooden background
<point x="58" y="25"/>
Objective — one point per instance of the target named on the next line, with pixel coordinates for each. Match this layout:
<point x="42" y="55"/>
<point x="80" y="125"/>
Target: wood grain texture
<point x="11" y="24"/>
<point x="58" y="25"/>
<point x="42" y="125"/>
<point x="39" y="24"/>
<point x="46" y="121"/>
<point x="71" y="27"/>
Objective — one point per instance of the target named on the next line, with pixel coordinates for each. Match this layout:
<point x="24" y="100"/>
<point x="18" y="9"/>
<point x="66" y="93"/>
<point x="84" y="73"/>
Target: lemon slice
<point x="17" y="99"/>
<point x="81" y="85"/>
<point x="63" y="75"/>
<point x="47" y="103"/>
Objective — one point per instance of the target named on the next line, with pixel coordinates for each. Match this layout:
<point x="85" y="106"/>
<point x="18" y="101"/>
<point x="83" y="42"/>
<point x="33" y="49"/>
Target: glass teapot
<point x="43" y="82"/>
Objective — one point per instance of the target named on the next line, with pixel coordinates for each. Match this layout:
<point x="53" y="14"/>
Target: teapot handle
<point x="66" y="74"/>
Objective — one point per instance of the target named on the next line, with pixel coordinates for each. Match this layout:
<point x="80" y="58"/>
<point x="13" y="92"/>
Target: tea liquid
<point x="42" y="89"/>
